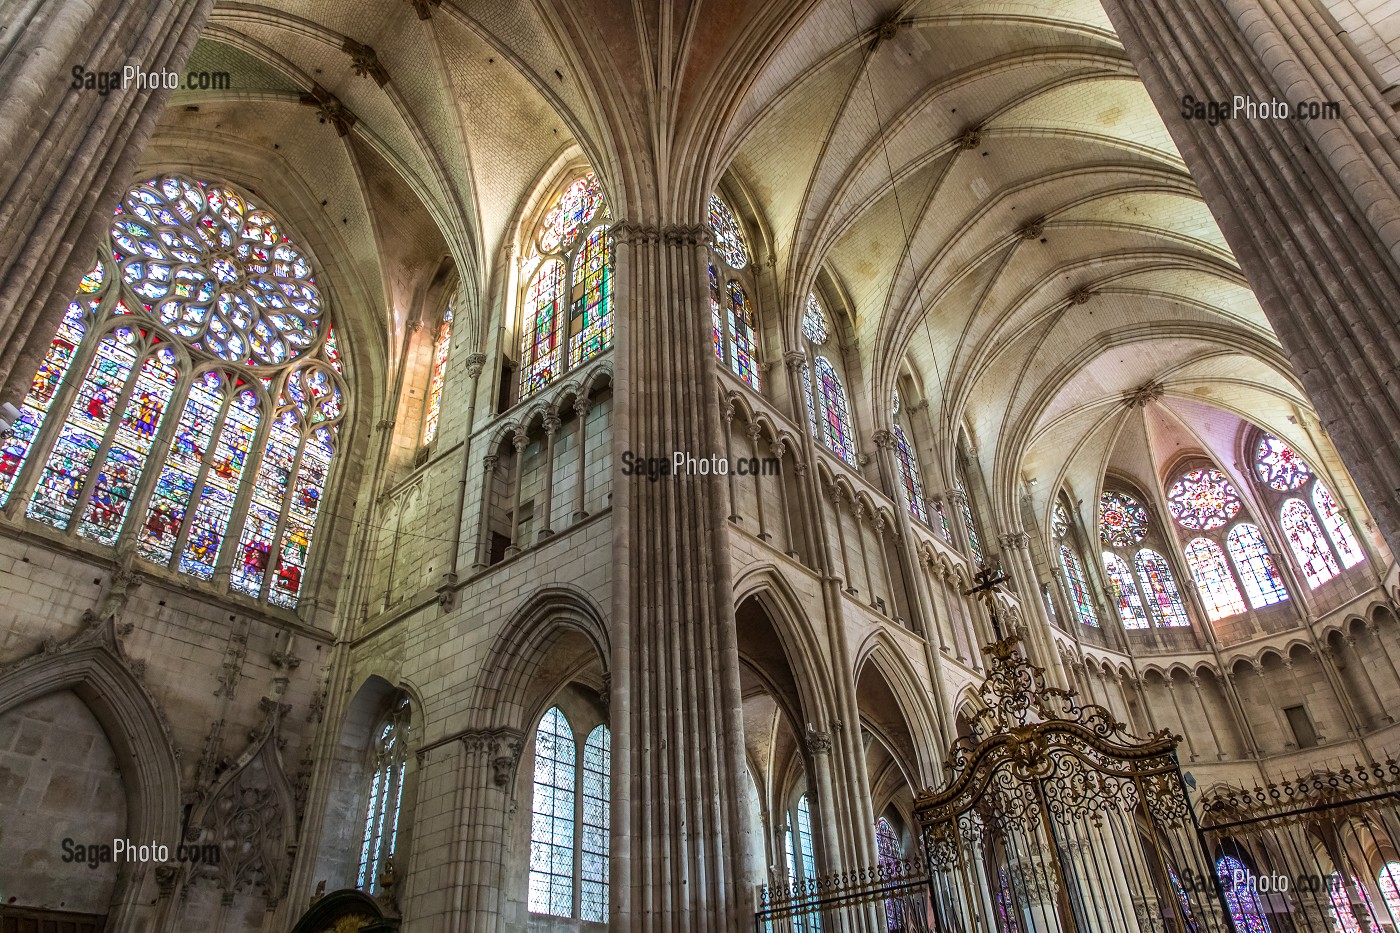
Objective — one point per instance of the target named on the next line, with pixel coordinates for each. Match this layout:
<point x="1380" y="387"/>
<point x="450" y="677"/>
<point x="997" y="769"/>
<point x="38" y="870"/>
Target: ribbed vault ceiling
<point x="984" y="184"/>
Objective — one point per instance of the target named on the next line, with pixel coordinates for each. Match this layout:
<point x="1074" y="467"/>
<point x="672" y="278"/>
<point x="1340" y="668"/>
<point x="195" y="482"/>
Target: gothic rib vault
<point x="998" y="226"/>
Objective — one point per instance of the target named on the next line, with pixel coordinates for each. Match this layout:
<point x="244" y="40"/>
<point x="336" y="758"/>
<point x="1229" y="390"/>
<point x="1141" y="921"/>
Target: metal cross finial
<point x="987" y="579"/>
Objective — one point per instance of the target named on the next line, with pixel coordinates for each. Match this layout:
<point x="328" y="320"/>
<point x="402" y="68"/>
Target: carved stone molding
<point x="1081" y="295"/>
<point x="501" y="749"/>
<point x="1033" y="230"/>
<point x="970" y="139"/>
<point x="819" y="743"/>
<point x="883" y="439"/>
<point x="794" y="359"/>
<point x="1015" y="540"/>
<point x="475" y="363"/>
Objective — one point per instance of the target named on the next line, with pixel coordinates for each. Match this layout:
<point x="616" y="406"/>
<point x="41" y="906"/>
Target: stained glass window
<point x="52" y="372"/>
<point x="1245" y="907"/>
<point x="1218" y="590"/>
<point x="834" y="417"/>
<point x="814" y="322"/>
<point x="909" y="476"/>
<point x="442" y="346"/>
<point x="552" y="821"/>
<point x="888" y="854"/>
<point x="743" y="337"/>
<point x="1256" y="566"/>
<point x="1078" y="587"/>
<point x="1160" y="588"/>
<point x="1388" y="878"/>
<point x="716" y="317"/>
<point x="198" y="278"/>
<point x="729" y="238"/>
<point x="1309" y="549"/>
<point x="1182" y="900"/>
<point x="1124" y="591"/>
<point x="569" y="297"/>
<point x="1345" y="910"/>
<point x="1338" y="528"/>
<point x="389" y="761"/>
<point x="894" y="403"/>
<point x="803" y="856"/>
<point x="943" y="528"/>
<point x="1059" y="522"/>
<point x="1203" y="499"/>
<point x="1122" y="520"/>
<point x="1049" y="603"/>
<point x="974" y="540"/>
<point x="1279" y="465"/>
<point x="1007" y="921"/>
<point x="594" y="845"/>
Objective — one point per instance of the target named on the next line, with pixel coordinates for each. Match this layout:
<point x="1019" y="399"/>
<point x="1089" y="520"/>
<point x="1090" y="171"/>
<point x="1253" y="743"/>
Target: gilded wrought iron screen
<point x="1316" y="853"/>
<point x="1055" y="819"/>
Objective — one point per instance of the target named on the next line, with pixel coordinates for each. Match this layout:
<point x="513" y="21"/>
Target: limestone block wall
<point x="1374" y="25"/>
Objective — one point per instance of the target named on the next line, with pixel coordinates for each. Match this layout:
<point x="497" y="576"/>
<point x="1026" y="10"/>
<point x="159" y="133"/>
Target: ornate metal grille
<point x="1055" y="819"/>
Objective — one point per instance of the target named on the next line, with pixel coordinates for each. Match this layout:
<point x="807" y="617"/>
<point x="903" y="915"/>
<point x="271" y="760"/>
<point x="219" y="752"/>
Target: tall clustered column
<point x="681" y="840"/>
<point x="1310" y="208"/>
<point x="67" y="153"/>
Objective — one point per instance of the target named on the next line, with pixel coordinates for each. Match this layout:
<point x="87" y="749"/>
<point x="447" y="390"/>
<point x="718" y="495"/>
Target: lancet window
<point x="733" y="319"/>
<point x="570" y="823"/>
<point x="437" y="378"/>
<point x="388" y="765"/>
<point x="1133" y="568"/>
<point x="828" y="414"/>
<point x="1318" y="533"/>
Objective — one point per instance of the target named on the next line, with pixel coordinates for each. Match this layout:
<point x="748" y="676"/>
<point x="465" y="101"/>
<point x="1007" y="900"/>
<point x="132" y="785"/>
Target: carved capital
<point x="754" y="431"/>
<point x="794" y="359"/>
<point x="551" y="421"/>
<point x="475" y="364"/>
<point x="520" y="438"/>
<point x="883" y="439"/>
<point x="582" y="406"/>
<point x="819" y="743"/>
<point x="488" y="463"/>
<point x="1015" y="540"/>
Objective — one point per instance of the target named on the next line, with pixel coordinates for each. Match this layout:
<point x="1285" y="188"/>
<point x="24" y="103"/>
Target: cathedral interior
<point x="575" y="465"/>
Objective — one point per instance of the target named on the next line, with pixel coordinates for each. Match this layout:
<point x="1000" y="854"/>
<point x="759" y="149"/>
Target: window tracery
<point x="1255" y="566"/>
<point x="570" y="835"/>
<point x="889" y="854"/>
<point x="389" y="762"/>
<point x="1078" y="586"/>
<point x="728" y="235"/>
<point x="1160" y="588"/>
<point x="1122" y="520"/>
<point x="197" y="350"/>
<point x="1203" y="499"/>
<point x="1124" y="591"/>
<point x="1305" y="507"/>
<point x="974" y="540"/>
<point x="1245" y="908"/>
<point x="1218" y="590"/>
<point x="827" y="412"/>
<point x="568" y="300"/>
<point x="909" y="476"/>
<point x="442" y="347"/>
<point x="1310" y="551"/>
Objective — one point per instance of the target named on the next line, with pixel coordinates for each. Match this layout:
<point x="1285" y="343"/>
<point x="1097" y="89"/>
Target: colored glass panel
<point x="1348" y="915"/>
<point x="729" y="237"/>
<point x="1182" y="900"/>
<point x="130" y="444"/>
<point x="974" y="539"/>
<point x="1338" y="528"/>
<point x="835" y="418"/>
<point x="909" y="476"/>
<point x="570" y="214"/>
<point x="64" y="474"/>
<point x="812" y="921"/>
<point x="175" y="488"/>
<point x="591" y="317"/>
<point x="1078" y="587"/>
<point x="265" y="512"/>
<point x="593" y="847"/>
<point x="1279" y="465"/>
<point x="1217" y="588"/>
<point x="540" y="355"/>
<point x="743" y="339"/>
<point x="213" y="516"/>
<point x="1388" y="878"/>
<point x="14" y="450"/>
<point x="217" y="270"/>
<point x="552" y="818"/>
<point x="385" y="798"/>
<point x="303" y="505"/>
<point x="943" y="528"/>
<point x="1059" y="522"/>
<point x="716" y="319"/>
<point x="1160" y="588"/>
<point x="1122" y="520"/>
<point x="894" y="403"/>
<point x="1203" y="499"/>
<point x="1309" y="549"/>
<point x="1245" y="907"/>
<point x="1124" y="591"/>
<point x="814" y="322"/>
<point x="442" y="348"/>
<point x="811" y="401"/>
<point x="1007" y="921"/>
<point x="1256" y="566"/>
<point x="888" y="854"/>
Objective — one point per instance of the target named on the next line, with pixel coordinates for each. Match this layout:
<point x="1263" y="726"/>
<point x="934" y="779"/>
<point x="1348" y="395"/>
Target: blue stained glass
<point x="743" y="339"/>
<point x="716" y="320"/>
<point x="814" y="322"/>
<point x="1256" y="565"/>
<point x="1006" y="904"/>
<point x="1078" y="587"/>
<point x="591" y="317"/>
<point x="909" y="476"/>
<point x="1245" y="907"/>
<point x="1338" y="528"/>
<point x="888" y="852"/>
<point x="835" y="418"/>
<point x="728" y="237"/>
